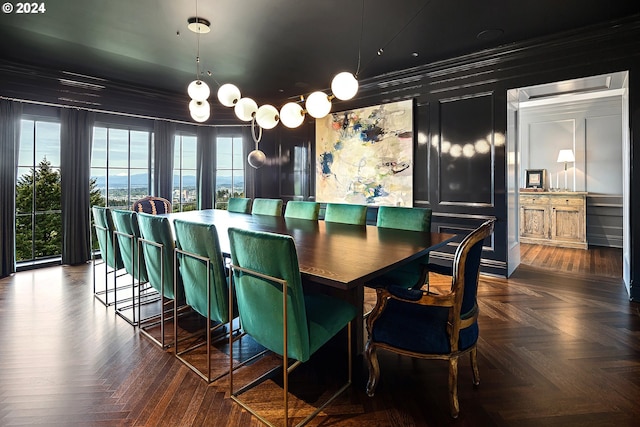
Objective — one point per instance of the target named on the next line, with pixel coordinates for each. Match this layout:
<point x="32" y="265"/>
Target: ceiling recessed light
<point x="199" y="25"/>
<point x="414" y="54"/>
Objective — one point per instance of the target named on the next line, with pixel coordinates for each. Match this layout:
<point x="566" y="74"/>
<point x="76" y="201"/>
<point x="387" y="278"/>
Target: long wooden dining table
<point x="336" y="258"/>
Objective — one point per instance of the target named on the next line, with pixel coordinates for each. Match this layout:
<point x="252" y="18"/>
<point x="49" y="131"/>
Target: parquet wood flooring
<point x="557" y="348"/>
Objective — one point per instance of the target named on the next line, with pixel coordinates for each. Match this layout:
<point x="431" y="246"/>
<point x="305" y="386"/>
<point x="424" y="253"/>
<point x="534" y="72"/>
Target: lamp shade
<point x="200" y="110"/>
<point x="198" y="90"/>
<point x="245" y="109"/>
<point x="228" y="94"/>
<point x="318" y="105"/>
<point x="566" y="156"/>
<point x="267" y="116"/>
<point x="291" y="115"/>
<point x="344" y="86"/>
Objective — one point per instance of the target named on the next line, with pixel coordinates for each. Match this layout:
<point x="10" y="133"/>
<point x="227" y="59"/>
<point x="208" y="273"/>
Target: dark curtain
<point x="248" y="145"/>
<point x="76" y="129"/>
<point x="164" y="140"/>
<point x="10" y="113"/>
<point x="206" y="167"/>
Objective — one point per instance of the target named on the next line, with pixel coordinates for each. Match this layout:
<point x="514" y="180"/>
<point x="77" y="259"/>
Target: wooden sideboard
<point x="554" y="218"/>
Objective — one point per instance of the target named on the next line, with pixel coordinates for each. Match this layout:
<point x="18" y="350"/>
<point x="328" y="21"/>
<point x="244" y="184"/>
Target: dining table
<point x="334" y="258"/>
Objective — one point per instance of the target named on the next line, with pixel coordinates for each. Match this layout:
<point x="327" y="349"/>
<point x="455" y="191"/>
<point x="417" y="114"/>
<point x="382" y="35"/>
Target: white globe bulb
<point x="291" y="115"/>
<point x="344" y="86"/>
<point x="200" y="110"/>
<point x="256" y="159"/>
<point x="245" y="109"/>
<point x="267" y="116"/>
<point x="318" y="105"/>
<point x="228" y="94"/>
<point x="198" y="90"/>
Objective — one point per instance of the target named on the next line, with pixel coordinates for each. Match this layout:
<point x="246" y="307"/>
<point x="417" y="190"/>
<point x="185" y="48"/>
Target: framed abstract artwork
<point x="365" y="156"/>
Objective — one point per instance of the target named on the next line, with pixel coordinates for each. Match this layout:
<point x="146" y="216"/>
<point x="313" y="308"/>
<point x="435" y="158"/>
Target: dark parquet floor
<point x="559" y="346"/>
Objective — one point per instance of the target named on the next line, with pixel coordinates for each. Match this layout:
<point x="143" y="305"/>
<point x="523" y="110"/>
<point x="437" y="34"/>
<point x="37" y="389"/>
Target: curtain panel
<point x="206" y="167"/>
<point x="10" y="113"/>
<point x="76" y="130"/>
<point x="248" y="145"/>
<point x="164" y="141"/>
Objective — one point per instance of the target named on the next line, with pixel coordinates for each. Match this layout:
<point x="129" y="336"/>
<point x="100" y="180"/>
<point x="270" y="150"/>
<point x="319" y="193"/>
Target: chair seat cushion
<point x="417" y="328"/>
<point x="326" y="316"/>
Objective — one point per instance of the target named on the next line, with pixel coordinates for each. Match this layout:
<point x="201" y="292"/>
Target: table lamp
<point x="565" y="156"/>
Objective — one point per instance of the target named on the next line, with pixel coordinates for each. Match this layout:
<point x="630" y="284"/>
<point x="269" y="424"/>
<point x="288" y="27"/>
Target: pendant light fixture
<point x="198" y="90"/>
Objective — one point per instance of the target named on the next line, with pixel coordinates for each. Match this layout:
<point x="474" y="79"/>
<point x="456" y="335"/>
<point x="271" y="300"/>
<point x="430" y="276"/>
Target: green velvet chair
<point x="127" y="233"/>
<point x="288" y="323"/>
<point x="271" y="207"/>
<point x="109" y="252"/>
<point x="239" y="204"/>
<point x="415" y="273"/>
<point x="346" y="214"/>
<point x="421" y="324"/>
<point x="158" y="250"/>
<point x="302" y="210"/>
<point x="206" y="290"/>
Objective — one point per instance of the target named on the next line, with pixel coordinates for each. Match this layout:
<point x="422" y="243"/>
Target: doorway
<point x="582" y="115"/>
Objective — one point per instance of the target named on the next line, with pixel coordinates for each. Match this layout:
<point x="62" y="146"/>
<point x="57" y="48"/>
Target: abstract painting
<point x="365" y="156"/>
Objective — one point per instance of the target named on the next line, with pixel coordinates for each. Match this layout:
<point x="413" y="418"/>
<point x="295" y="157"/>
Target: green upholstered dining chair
<point x="158" y="248"/>
<point x="271" y="207"/>
<point x="415" y="273"/>
<point x="109" y="252"/>
<point x="345" y="213"/>
<point x="275" y="312"/>
<point x="206" y="289"/>
<point x="127" y="233"/>
<point x="302" y="210"/>
<point x="421" y="324"/>
<point x="239" y="204"/>
<point x="152" y="205"/>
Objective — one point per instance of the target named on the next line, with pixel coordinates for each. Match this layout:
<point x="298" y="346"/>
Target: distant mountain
<point x="141" y="180"/>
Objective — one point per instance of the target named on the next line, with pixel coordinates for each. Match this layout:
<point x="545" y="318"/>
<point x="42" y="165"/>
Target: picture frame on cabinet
<point x="536" y="178"/>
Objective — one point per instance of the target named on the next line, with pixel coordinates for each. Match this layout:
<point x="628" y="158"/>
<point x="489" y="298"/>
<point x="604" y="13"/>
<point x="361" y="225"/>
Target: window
<point x="121" y="165"/>
<point x="184" y="173"/>
<point x="229" y="169"/>
<point x="38" y="192"/>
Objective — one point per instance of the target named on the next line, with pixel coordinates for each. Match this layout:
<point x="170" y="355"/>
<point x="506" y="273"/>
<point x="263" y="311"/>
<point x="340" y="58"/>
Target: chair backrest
<point x="128" y="232"/>
<point x="466" y="267"/>
<point x="152" y="205"/>
<point x="103" y="223"/>
<point x="202" y="240"/>
<point x="239" y="204"/>
<point x="414" y="219"/>
<point x="346" y="214"/>
<point x="302" y="210"/>
<point x="271" y="207"/>
<point x="260" y="300"/>
<point x="159" y="260"/>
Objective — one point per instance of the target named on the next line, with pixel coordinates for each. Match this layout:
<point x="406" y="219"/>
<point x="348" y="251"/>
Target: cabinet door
<point x="567" y="223"/>
<point x="534" y="221"/>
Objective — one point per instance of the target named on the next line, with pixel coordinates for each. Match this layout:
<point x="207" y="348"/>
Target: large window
<point x="184" y="173"/>
<point x="229" y="169"/>
<point x="38" y="192"/>
<point x="121" y="164"/>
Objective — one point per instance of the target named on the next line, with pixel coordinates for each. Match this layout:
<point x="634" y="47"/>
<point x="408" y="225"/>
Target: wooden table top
<point x="339" y="255"/>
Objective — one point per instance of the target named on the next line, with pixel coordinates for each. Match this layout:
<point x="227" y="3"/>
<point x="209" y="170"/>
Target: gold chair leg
<point x="453" y="387"/>
<point x="374" y="368"/>
<point x="474" y="366"/>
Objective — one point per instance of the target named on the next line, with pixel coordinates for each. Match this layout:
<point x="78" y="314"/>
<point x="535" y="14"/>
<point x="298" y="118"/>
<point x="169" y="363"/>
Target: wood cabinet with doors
<point x="554" y="218"/>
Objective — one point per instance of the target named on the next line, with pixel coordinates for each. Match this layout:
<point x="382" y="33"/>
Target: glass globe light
<point x="198" y="90"/>
<point x="318" y="105"/>
<point x="228" y="94"/>
<point x="291" y="115"/>
<point x="344" y="86"/>
<point x="256" y="159"/>
<point x="200" y="110"/>
<point x="245" y="109"/>
<point x="267" y="116"/>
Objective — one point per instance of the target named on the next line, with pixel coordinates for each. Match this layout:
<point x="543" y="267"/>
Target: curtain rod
<point x="94" y="110"/>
